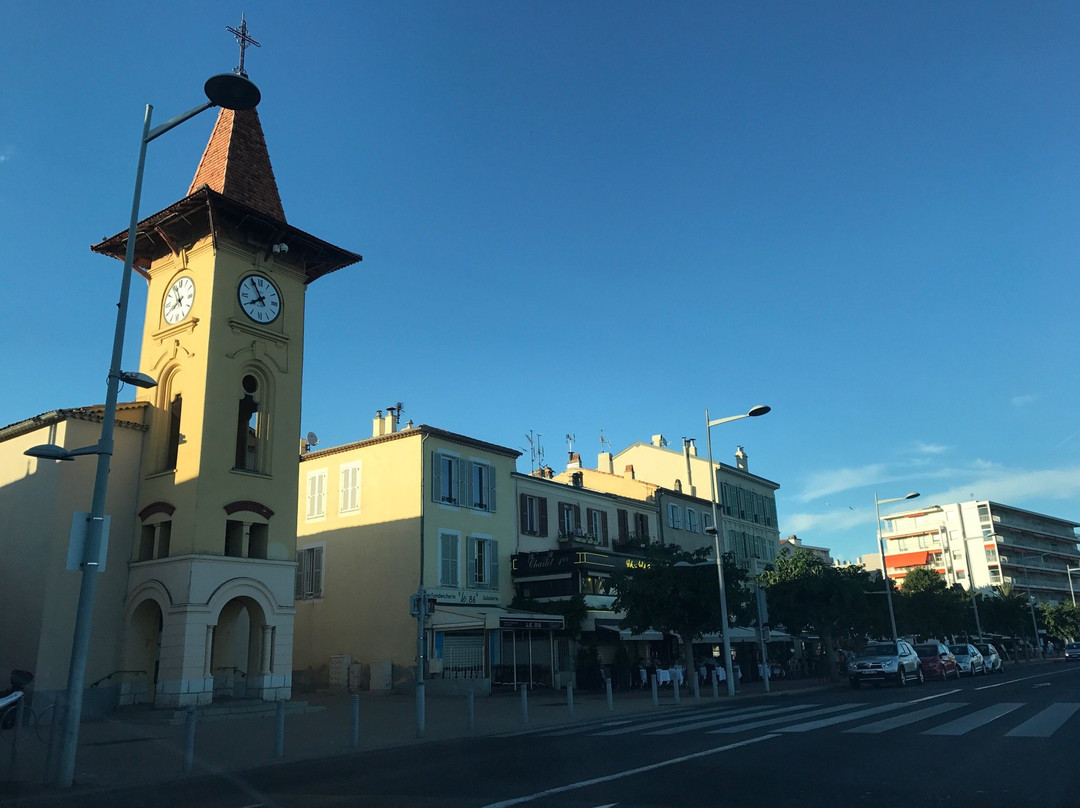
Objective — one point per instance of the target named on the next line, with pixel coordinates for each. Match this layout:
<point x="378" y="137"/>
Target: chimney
<point x="741" y="458"/>
<point x="693" y="447"/>
<point x="659" y="440"/>
<point x="629" y="473"/>
<point x="605" y="463"/>
<point x="575" y="461"/>
<point x="378" y="425"/>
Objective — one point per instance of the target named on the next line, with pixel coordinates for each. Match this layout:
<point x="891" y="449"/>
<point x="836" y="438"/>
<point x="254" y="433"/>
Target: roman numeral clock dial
<point x="259" y="298"/>
<point x="178" y="300"/>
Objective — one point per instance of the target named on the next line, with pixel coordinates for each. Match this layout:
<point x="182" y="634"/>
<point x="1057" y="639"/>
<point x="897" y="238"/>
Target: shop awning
<point x="461" y="619"/>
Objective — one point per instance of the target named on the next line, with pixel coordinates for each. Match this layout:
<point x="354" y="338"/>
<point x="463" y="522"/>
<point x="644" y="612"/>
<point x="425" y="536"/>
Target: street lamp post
<point x="1069" y="571"/>
<point x="715" y="530"/>
<point x="228" y="90"/>
<point x="881" y="549"/>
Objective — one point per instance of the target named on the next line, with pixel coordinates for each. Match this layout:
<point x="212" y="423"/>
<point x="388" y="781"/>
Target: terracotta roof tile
<point x="236" y="163"/>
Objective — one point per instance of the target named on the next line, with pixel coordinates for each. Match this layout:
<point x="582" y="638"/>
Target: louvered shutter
<point x="523" y="509"/>
<point x="542" y="515"/>
<point x="493" y="565"/>
<point x="491" y="488"/>
<point x="436" y="477"/>
<point x="316" y="571"/>
<point x="470" y="560"/>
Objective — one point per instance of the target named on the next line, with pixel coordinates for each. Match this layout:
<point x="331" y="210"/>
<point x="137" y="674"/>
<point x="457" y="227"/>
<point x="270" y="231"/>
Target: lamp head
<point x="48" y="451"/>
<point x="232" y="91"/>
<point x="912" y="495"/>
<point x="761" y="409"/>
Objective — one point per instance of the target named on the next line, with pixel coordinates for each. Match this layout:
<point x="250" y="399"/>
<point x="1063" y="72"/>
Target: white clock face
<point x="259" y="298"/>
<point x="178" y="300"/>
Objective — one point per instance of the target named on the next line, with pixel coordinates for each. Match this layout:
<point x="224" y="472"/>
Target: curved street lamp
<point x="881" y="549"/>
<point x="230" y="91"/>
<point x="761" y="409"/>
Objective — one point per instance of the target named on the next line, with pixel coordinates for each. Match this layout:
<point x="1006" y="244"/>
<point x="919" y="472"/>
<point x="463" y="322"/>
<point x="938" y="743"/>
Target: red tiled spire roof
<point x="236" y="163"/>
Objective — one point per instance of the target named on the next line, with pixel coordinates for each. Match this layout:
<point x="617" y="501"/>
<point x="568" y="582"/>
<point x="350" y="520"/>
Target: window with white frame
<point x="674" y="516"/>
<point x="449" y="556"/>
<point x="483" y="563"/>
<point x="316" y="494"/>
<point x="706" y="521"/>
<point x="569" y="519"/>
<point x="481" y="486"/>
<point x="597" y="521"/>
<point x="349" y="500"/>
<point x="691" y="520"/>
<point x="446" y="480"/>
<point x="534" y="519"/>
<point x="309" y="573"/>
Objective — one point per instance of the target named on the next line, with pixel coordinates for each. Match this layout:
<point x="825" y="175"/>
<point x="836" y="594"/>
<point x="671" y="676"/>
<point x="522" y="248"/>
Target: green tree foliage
<point x="1006" y="612"/>
<point x="806" y="594"/>
<point x="927" y="607"/>
<point x="683" y="599"/>
<point x="1062" y="622"/>
<point x="573" y="610"/>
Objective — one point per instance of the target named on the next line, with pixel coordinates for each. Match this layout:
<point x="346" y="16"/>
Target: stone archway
<point x="239" y="649"/>
<point x="142" y="653"/>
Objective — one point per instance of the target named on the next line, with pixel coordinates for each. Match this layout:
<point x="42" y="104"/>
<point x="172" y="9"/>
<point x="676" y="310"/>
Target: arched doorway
<point x="142" y="654"/>
<point x="237" y="653"/>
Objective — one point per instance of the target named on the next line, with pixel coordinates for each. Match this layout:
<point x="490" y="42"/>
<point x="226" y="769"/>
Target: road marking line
<point x="975" y="719"/>
<point x="1045" y="723"/>
<point x="767" y="721"/>
<point x="728" y="719"/>
<point x="839" y="719"/>
<point x="1026" y="678"/>
<point x="886" y="724"/>
<point x="628" y="773"/>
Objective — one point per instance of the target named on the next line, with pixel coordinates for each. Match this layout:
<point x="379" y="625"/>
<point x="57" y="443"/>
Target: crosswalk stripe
<point x="973" y="720"/>
<point x="825" y="722"/>
<point x="768" y="721"/>
<point x="886" y="724"/>
<point x="664" y="722"/>
<point x="729" y="719"/>
<point x="1046" y="722"/>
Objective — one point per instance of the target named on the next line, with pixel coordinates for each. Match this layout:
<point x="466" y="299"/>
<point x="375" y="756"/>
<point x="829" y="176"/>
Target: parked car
<point x="1072" y="650"/>
<point x="968" y="658"/>
<point x="991" y="657"/>
<point x="938" y="661"/>
<point x="879" y="662"/>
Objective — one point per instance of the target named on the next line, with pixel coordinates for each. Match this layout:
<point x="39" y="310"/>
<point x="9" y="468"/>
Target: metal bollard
<point x="570" y="697"/>
<point x="697" y="688"/>
<point x="355" y="736"/>
<point x="715" y="685"/>
<point x="189" y="740"/>
<point x="675" y="688"/>
<point x="13" y="764"/>
<point x="655" y="695"/>
<point x="610" y="703"/>
<point x="279" y="748"/>
<point x="524" y="703"/>
<point x="472" y="709"/>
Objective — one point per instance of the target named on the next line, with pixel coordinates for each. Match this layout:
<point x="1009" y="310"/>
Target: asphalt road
<point x="992" y="741"/>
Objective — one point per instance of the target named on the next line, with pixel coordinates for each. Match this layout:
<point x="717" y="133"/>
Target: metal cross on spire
<point x="243" y="39"/>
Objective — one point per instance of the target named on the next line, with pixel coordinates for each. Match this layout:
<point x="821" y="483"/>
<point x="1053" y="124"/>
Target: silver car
<point x="888" y="661"/>
<point x="991" y="657"/>
<point x="968" y="658"/>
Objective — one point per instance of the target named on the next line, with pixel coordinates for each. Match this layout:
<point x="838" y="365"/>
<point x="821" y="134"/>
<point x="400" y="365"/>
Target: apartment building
<point x="984" y="544"/>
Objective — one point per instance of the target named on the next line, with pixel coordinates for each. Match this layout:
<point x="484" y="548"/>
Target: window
<point x="481" y="486"/>
<point x="597" y="521"/>
<point x="706" y="521"/>
<point x="309" y="573"/>
<point x="534" y="519"/>
<point x="991" y="555"/>
<point x="316" y="494"/>
<point x="446" y="478"/>
<point x="249" y="425"/>
<point x="961" y="575"/>
<point x="350" y="488"/>
<point x="448" y="559"/>
<point x="674" y="516"/>
<point x="154" y="540"/>
<point x="172" y="446"/>
<point x="691" y="520"/>
<point x="569" y="519"/>
<point x="641" y="526"/>
<point x="483" y="563"/>
<point x="623" y="520"/>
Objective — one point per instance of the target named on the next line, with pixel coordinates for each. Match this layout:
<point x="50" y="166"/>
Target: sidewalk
<point x="130" y="749"/>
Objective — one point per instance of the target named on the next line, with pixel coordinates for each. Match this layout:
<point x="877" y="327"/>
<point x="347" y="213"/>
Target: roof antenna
<point x="570" y="442"/>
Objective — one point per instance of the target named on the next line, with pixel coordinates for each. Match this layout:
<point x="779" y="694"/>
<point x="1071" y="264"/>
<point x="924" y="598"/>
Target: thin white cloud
<point x="1023" y="400"/>
<point x="834" y="481"/>
<point x="924" y="448"/>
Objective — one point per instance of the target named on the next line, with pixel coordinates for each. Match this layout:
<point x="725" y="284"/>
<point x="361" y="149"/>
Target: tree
<point x="1062" y="622"/>
<point x="929" y="607"/>
<point x="685" y="599"/>
<point x="805" y="593"/>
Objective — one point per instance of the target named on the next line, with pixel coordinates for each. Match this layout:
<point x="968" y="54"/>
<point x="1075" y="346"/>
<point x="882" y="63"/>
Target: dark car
<point x="1072" y="650"/>
<point x="938" y="661"/>
<point x="889" y="661"/>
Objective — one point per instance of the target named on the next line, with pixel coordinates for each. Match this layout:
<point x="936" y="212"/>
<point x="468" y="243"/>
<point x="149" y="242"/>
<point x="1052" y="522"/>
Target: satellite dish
<point x="312" y="439"/>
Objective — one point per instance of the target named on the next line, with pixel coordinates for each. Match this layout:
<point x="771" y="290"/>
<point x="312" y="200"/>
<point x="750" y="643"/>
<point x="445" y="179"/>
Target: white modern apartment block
<point x="985" y="544"/>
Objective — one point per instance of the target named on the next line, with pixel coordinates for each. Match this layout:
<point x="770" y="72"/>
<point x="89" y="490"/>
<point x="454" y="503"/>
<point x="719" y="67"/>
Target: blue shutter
<point x="493" y="565"/>
<point x="470" y="560"/>
<point x="491" y="488"/>
<point x="436" y="478"/>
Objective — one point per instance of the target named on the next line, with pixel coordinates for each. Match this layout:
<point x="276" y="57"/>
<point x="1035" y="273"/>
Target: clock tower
<point x="209" y="606"/>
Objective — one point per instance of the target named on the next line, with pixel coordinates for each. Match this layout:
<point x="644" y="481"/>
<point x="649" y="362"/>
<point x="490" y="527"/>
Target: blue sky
<point x="594" y="218"/>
